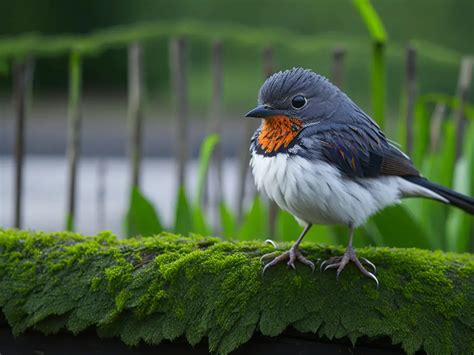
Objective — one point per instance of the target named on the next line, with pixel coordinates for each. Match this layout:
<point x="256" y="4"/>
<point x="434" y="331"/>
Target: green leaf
<point x="371" y="19"/>
<point x="141" y="218"/>
<point x="324" y="235"/>
<point x="421" y="128"/>
<point x="3" y="67"/>
<point x="255" y="223"/>
<point x="287" y="229"/>
<point x="399" y="228"/>
<point x="459" y="225"/>
<point x="199" y="222"/>
<point x="374" y="25"/>
<point x="183" y="217"/>
<point x="207" y="147"/>
<point x="228" y="222"/>
<point x="378" y="83"/>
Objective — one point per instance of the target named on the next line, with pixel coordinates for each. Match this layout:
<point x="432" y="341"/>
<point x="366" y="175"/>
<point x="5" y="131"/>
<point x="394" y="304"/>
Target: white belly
<point x="317" y="193"/>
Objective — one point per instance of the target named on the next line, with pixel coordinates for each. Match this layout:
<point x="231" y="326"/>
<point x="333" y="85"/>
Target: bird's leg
<point x="290" y="256"/>
<point x="340" y="262"/>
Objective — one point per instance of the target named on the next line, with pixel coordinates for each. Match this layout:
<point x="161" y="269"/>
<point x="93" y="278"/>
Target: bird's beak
<point x="263" y="111"/>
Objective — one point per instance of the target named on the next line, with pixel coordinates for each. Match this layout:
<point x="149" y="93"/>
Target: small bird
<point x="320" y="157"/>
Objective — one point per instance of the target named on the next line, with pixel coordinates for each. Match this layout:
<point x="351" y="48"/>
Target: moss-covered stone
<point x="169" y="286"/>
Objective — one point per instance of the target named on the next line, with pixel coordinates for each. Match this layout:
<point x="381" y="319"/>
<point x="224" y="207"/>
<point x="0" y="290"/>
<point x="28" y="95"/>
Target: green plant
<point x="379" y="38"/>
<point x="141" y="218"/>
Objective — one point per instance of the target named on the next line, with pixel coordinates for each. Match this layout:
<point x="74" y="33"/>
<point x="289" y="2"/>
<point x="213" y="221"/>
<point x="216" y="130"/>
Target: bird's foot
<point x="340" y="262"/>
<point x="289" y="256"/>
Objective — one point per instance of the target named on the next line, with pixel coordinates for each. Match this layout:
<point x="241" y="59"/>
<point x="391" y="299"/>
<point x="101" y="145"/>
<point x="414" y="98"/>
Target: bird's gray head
<point x="297" y="93"/>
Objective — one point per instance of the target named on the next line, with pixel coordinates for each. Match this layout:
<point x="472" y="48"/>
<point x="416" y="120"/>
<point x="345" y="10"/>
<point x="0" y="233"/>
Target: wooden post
<point x="337" y="68"/>
<point x="216" y="113"/>
<point x="268" y="69"/>
<point x="464" y="84"/>
<point x="22" y="87"/>
<point x="135" y="110"/>
<point x="74" y="133"/>
<point x="179" y="82"/>
<point x="249" y="128"/>
<point x="436" y="122"/>
<point x="410" y="87"/>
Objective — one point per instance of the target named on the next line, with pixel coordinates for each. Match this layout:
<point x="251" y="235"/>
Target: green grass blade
<point x="378" y="83"/>
<point x="3" y="66"/>
<point x="228" y="222"/>
<point x="207" y="147"/>
<point x="421" y="129"/>
<point x="399" y="228"/>
<point x="459" y="226"/>
<point x="287" y="229"/>
<point x="200" y="225"/>
<point x="371" y="19"/>
<point x="141" y="218"/>
<point x="377" y="32"/>
<point x="255" y="223"/>
<point x="183" y="217"/>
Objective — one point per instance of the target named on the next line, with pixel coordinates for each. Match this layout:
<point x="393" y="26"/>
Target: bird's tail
<point x="454" y="198"/>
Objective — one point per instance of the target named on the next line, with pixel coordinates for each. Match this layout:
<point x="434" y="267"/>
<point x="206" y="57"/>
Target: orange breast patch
<point x="278" y="131"/>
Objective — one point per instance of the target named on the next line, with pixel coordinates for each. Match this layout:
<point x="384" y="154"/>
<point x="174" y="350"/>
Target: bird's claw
<point x="340" y="262"/>
<point x="290" y="256"/>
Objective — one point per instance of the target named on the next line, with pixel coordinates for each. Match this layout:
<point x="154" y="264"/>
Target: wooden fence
<point x="21" y="52"/>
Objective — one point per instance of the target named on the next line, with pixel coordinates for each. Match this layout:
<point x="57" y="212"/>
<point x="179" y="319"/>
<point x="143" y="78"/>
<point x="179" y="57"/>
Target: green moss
<point x="202" y="288"/>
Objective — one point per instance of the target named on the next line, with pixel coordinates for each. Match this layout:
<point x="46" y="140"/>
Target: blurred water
<point x="102" y="191"/>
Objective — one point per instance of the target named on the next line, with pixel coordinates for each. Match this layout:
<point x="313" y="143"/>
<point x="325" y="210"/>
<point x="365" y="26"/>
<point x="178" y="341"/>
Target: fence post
<point x="337" y="67"/>
<point x="436" y="122"/>
<point x="268" y="68"/>
<point x="464" y="84"/>
<point x="179" y="82"/>
<point x="22" y="87"/>
<point x="249" y="128"/>
<point x="410" y="87"/>
<point x="74" y="133"/>
<point x="216" y="114"/>
<point x="135" y="110"/>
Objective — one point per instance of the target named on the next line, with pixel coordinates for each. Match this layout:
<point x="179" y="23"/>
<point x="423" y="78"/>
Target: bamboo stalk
<point x="410" y="87"/>
<point x="337" y="68"/>
<point x="22" y="87"/>
<point x="135" y="110"/>
<point x="179" y="81"/>
<point x="464" y="84"/>
<point x="74" y="133"/>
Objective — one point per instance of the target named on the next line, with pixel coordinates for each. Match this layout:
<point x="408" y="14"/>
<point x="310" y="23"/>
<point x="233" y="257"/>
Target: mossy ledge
<point x="168" y="286"/>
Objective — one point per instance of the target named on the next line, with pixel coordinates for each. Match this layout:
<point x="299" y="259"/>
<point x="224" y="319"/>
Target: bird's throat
<point x="278" y="132"/>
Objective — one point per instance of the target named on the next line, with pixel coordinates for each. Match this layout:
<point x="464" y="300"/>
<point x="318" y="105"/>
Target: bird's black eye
<point x="298" y="101"/>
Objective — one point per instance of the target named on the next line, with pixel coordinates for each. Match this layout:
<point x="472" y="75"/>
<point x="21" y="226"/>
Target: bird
<point x="321" y="158"/>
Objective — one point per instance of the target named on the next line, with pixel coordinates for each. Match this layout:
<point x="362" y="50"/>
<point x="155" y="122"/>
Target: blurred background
<point x="244" y="41"/>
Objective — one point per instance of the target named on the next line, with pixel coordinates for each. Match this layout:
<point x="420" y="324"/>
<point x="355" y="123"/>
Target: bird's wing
<point x="357" y="150"/>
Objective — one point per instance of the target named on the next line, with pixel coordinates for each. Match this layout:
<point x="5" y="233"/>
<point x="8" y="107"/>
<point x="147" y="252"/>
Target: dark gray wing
<point x="357" y="149"/>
